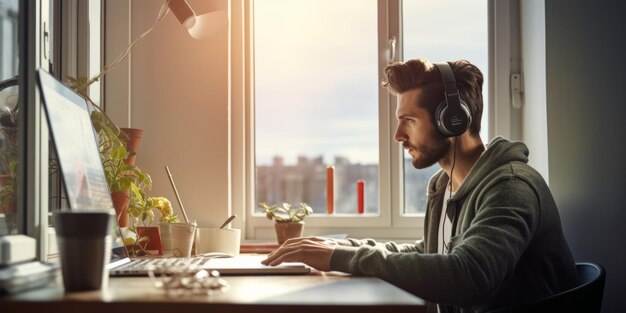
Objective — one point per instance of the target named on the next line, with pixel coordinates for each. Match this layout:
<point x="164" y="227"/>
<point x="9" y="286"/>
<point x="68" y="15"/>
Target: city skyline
<point x="305" y="181"/>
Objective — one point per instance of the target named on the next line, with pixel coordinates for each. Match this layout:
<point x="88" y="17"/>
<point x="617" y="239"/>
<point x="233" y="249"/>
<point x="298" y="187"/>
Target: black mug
<point x="84" y="245"/>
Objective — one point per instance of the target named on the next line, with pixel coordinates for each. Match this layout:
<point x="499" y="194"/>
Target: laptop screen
<point x="77" y="152"/>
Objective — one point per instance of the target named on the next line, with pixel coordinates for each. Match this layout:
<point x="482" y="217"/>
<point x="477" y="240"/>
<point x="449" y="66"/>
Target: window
<point x="10" y="141"/>
<point x="420" y="39"/>
<point x="314" y="100"/>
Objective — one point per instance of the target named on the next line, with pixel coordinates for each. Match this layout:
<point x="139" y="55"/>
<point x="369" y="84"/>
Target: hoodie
<point x="507" y="245"/>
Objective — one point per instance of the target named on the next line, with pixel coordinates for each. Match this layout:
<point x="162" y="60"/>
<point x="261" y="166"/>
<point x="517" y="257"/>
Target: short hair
<point x="420" y="73"/>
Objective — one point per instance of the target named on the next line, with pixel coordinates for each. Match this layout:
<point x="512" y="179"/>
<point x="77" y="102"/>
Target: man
<point x="492" y="233"/>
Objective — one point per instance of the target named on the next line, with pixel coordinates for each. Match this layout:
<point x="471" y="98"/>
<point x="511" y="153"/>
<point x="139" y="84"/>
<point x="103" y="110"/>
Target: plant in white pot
<point x="289" y="221"/>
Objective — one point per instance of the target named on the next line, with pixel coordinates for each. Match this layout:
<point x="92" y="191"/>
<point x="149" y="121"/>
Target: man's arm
<point x="317" y="251"/>
<point x="418" y="246"/>
<point x="479" y="262"/>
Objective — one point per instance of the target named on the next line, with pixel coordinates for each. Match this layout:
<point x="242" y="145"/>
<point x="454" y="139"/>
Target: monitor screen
<point x="77" y="151"/>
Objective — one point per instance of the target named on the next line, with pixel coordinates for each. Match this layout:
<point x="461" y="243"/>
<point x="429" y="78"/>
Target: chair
<point x="587" y="297"/>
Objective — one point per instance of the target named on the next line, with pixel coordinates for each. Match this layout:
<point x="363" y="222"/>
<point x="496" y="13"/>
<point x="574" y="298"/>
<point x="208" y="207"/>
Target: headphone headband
<point x="451" y="94"/>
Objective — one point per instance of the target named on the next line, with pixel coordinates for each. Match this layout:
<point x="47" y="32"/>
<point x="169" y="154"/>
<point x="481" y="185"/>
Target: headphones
<point x="453" y="115"/>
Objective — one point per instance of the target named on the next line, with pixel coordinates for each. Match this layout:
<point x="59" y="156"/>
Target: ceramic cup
<point x="177" y="239"/>
<point x="223" y="240"/>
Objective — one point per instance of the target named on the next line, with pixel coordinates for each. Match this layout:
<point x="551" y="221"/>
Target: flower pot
<point x="286" y="230"/>
<point x="134" y="137"/>
<point x="177" y="239"/>
<point x="120" y="202"/>
<point x="153" y="246"/>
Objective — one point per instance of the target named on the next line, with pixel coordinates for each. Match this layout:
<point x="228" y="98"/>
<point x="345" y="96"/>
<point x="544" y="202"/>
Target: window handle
<point x="392" y="49"/>
<point x="516" y="90"/>
<point x="46" y="41"/>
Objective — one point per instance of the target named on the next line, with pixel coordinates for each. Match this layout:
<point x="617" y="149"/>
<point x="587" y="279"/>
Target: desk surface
<point x="316" y="292"/>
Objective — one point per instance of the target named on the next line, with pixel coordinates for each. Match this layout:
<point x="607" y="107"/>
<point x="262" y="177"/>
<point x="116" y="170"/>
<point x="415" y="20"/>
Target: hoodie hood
<point x="499" y="152"/>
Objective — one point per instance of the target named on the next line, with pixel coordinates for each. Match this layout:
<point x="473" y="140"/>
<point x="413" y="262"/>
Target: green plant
<point x="141" y="209"/>
<point x="112" y="143"/>
<point x="7" y="191"/>
<point x="8" y="164"/>
<point x="285" y="212"/>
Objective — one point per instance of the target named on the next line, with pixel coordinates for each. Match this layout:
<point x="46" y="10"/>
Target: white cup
<point x="223" y="240"/>
<point x="177" y="239"/>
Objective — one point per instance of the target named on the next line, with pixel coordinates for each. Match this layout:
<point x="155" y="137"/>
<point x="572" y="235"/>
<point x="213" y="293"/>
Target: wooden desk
<point x="317" y="292"/>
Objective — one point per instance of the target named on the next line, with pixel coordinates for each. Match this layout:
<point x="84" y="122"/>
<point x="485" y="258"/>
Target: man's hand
<point x="313" y="251"/>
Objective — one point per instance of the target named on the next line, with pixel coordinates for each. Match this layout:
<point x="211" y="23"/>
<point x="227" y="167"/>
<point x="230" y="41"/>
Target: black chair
<point x="587" y="297"/>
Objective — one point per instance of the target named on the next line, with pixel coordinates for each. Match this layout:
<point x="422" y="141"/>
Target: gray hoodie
<point x="507" y="245"/>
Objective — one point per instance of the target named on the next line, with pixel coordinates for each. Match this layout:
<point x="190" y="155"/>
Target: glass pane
<point x="316" y="101"/>
<point x="427" y="35"/>
<point x="9" y="104"/>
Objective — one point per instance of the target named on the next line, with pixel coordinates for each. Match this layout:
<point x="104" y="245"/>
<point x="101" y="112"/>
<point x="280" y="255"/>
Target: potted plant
<point x="117" y="160"/>
<point x="141" y="209"/>
<point x="289" y="221"/>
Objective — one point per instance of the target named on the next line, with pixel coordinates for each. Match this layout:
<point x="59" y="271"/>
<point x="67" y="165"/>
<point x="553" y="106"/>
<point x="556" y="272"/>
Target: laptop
<point x="86" y="188"/>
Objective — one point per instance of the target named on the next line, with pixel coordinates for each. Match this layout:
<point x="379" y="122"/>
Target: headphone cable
<point x="443" y="231"/>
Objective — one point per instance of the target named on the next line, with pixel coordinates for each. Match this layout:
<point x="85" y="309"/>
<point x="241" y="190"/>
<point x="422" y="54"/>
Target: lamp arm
<point x="162" y="13"/>
<point x="8" y="83"/>
<point x="9" y="117"/>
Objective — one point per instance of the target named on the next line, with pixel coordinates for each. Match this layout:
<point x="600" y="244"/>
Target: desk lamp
<point x="8" y="103"/>
<point x="198" y="26"/>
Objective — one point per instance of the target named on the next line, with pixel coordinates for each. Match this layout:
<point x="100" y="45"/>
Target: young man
<point x="492" y="233"/>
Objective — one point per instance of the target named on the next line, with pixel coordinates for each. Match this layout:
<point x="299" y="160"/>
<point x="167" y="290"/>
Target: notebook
<point x="86" y="188"/>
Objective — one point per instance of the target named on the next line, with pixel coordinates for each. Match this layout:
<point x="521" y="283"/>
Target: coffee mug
<point x="222" y="240"/>
<point x="84" y="247"/>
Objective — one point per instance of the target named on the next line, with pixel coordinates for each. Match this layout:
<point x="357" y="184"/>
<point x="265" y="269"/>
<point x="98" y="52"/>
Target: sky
<point x="316" y="77"/>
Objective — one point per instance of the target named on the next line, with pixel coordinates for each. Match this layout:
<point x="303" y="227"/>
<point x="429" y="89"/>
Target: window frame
<point x="391" y="223"/>
<point x="71" y="55"/>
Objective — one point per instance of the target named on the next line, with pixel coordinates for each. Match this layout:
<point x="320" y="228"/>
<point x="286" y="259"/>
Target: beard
<point x="430" y="152"/>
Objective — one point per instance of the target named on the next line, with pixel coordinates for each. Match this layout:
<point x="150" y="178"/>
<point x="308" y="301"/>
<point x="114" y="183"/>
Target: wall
<point x="177" y="91"/>
<point x="585" y="53"/>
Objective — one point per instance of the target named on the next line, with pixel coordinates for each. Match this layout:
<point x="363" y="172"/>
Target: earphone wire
<point x="443" y="230"/>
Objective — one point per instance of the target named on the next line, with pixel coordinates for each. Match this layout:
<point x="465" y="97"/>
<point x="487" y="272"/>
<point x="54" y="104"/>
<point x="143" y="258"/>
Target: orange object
<point x="360" y="196"/>
<point x="330" y="189"/>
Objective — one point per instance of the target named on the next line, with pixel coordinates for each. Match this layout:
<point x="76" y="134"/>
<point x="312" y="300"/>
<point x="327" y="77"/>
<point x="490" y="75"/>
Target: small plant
<point x="286" y="213"/>
<point x="142" y="210"/>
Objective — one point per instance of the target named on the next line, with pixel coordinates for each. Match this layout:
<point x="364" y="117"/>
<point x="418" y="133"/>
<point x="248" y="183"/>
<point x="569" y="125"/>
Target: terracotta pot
<point x="120" y="202"/>
<point x="154" y="246"/>
<point x="286" y="230"/>
<point x="134" y="137"/>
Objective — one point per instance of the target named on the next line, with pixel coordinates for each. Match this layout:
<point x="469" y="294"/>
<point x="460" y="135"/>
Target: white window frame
<point x="77" y="58"/>
<point x="391" y="223"/>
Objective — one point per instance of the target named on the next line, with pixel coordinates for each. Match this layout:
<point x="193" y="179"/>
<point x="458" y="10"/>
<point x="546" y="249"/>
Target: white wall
<point x="178" y="90"/>
<point x="586" y="106"/>
<point x="533" y="45"/>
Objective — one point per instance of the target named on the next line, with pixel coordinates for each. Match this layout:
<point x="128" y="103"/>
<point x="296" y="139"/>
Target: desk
<point x="317" y="292"/>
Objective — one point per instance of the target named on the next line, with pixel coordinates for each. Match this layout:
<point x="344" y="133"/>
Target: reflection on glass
<point x="9" y="104"/>
<point x="427" y="35"/>
<point x="316" y="101"/>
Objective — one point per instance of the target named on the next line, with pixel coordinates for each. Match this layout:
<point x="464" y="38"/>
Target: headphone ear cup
<point x="439" y="118"/>
<point x="453" y="120"/>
